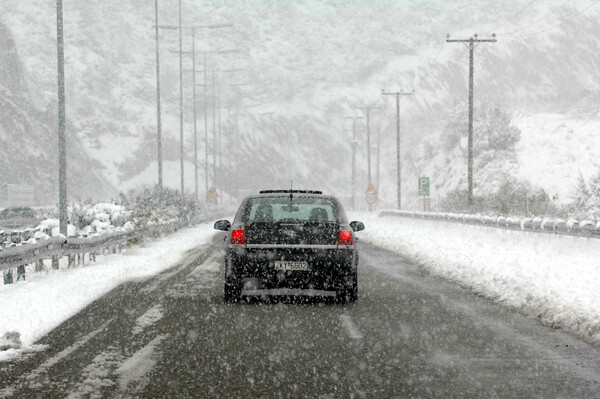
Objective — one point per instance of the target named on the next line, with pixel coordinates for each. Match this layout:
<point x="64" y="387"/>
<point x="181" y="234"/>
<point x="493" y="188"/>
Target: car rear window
<point x="296" y="209"/>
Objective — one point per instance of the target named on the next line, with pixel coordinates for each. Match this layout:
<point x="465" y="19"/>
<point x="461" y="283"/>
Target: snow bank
<point x="34" y="307"/>
<point x="553" y="278"/>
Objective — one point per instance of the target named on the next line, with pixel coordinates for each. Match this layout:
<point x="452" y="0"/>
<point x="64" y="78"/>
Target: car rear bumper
<point x="329" y="270"/>
<point x="288" y="292"/>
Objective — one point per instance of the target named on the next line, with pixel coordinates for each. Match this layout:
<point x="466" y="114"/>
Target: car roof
<point x="295" y="193"/>
<point x="282" y="195"/>
<point x="290" y="192"/>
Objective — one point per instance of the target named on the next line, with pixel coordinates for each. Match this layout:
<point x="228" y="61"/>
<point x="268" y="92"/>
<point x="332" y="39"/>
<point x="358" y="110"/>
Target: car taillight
<point x="345" y="238"/>
<point x="238" y="237"/>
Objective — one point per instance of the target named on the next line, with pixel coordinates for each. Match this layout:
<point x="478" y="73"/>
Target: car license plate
<point x="286" y="265"/>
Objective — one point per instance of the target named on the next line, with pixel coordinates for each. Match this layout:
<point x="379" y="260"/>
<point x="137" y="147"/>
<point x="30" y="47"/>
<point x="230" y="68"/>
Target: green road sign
<point x="424" y="186"/>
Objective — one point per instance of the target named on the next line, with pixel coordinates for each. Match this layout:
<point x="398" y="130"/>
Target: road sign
<point x="371" y="194"/>
<point x="212" y="193"/>
<point x="424" y="186"/>
<point x="212" y="196"/>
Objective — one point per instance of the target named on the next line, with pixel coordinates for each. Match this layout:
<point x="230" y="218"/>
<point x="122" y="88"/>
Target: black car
<point x="291" y="243"/>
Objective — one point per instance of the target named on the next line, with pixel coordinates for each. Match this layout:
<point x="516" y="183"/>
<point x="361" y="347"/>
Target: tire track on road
<point x="86" y="365"/>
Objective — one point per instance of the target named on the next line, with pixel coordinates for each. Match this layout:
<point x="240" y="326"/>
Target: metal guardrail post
<point x="39" y="265"/>
<point x="573" y="227"/>
<point x="74" y="249"/>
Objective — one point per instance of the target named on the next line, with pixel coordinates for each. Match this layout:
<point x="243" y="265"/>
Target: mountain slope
<point x="28" y="140"/>
<point x="309" y="64"/>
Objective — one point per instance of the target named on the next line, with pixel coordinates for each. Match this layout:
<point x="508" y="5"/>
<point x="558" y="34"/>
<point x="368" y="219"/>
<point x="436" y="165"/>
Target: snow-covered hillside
<point x="28" y="142"/>
<point x="309" y="64"/>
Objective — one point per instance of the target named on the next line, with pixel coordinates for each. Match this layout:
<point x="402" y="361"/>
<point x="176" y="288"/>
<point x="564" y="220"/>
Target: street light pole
<point x="205" y="130"/>
<point x="397" y="94"/>
<point x="354" y="143"/>
<point x="220" y="169"/>
<point x="195" y="113"/>
<point x="181" y="102"/>
<point x="214" y="118"/>
<point x="368" y="113"/>
<point x="62" y="143"/>
<point x="158" y="120"/>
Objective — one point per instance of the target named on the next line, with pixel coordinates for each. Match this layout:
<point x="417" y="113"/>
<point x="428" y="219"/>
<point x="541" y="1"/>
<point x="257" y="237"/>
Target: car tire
<point x="232" y="291"/>
<point x="350" y="294"/>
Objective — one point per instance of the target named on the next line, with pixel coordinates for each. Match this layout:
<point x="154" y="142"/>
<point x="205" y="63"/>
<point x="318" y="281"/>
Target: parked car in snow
<point x="18" y="218"/>
<point x="291" y="243"/>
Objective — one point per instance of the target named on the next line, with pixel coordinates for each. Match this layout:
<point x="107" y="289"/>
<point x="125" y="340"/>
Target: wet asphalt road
<point x="409" y="335"/>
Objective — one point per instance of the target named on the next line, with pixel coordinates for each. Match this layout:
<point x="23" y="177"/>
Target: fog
<point x="282" y="81"/>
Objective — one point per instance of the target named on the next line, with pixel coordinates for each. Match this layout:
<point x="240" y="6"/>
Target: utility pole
<point x="193" y="53"/>
<point x="62" y="142"/>
<point x="214" y="118"/>
<point x="378" y="153"/>
<point x="195" y="114"/>
<point x="179" y="28"/>
<point x="368" y="113"/>
<point x="193" y="70"/>
<point x="158" y="120"/>
<point x="353" y="143"/>
<point x="181" y="102"/>
<point x="205" y="130"/>
<point x="181" y="52"/>
<point x="398" y="160"/>
<point x="471" y="43"/>
<point x="220" y="168"/>
<point x="205" y="85"/>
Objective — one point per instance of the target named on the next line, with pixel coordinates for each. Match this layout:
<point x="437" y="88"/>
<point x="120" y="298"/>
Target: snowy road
<point x="410" y="334"/>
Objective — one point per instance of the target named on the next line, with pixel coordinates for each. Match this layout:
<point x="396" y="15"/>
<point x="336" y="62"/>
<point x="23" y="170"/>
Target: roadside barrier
<point x="571" y="227"/>
<point x="18" y="249"/>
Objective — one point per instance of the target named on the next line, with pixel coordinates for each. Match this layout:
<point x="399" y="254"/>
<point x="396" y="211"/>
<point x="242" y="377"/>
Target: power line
<point x="515" y="16"/>
<point x="537" y="21"/>
<point x="563" y="21"/>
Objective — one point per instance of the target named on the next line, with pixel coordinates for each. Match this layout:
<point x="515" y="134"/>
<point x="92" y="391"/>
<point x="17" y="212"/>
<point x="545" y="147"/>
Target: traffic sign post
<point x="371" y="195"/>
<point x="424" y="189"/>
<point x="212" y="196"/>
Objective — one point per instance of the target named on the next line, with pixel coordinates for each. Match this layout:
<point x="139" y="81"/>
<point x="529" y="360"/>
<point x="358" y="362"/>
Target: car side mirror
<point x="357" y="226"/>
<point x="222" y="225"/>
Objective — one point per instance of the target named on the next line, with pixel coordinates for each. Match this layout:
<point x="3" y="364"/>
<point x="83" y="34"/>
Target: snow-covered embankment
<point x="553" y="278"/>
<point x="32" y="308"/>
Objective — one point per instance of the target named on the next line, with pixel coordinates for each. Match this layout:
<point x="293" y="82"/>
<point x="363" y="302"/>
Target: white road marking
<point x="97" y="375"/>
<point x="191" y="257"/>
<point x="351" y="329"/>
<point x="134" y="369"/>
<point x="210" y="265"/>
<point x="153" y="315"/>
<point x="66" y="352"/>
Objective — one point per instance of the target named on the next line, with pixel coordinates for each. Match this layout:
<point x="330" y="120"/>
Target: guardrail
<point x="75" y="248"/>
<point x="569" y="227"/>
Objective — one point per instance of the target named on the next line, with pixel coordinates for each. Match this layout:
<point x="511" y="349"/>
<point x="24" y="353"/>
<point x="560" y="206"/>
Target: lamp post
<point x="397" y="94"/>
<point x="62" y="144"/>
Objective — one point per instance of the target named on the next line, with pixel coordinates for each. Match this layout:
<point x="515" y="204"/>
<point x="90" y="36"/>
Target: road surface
<point x="410" y="335"/>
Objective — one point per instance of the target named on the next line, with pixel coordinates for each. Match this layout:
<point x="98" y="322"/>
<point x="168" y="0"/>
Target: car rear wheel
<point x="350" y="293"/>
<point x="233" y="290"/>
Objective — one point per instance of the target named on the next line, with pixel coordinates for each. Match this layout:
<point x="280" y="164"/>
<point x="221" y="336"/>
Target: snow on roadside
<point x="34" y="307"/>
<point x="553" y="278"/>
